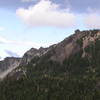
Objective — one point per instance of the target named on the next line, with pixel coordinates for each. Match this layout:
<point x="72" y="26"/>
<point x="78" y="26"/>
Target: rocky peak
<point x="74" y="44"/>
<point x="42" y="50"/>
<point x="64" y="49"/>
<point x="29" y="55"/>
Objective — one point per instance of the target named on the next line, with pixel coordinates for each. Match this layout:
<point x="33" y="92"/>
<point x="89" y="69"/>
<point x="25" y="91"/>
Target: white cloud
<point x="2" y="28"/>
<point x="23" y="43"/>
<point x="15" y="48"/>
<point x="3" y="40"/>
<point x="92" y="20"/>
<point x="11" y="53"/>
<point x="46" y="13"/>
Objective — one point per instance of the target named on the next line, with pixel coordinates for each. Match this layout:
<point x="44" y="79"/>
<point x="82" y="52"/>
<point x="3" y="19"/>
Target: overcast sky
<point x="33" y="23"/>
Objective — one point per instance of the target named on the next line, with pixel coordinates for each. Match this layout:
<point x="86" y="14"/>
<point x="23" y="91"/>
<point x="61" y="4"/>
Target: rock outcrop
<point x="29" y="55"/>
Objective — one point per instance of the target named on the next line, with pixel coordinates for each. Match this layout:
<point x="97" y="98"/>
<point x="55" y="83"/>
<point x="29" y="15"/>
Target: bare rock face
<point x="70" y="45"/>
<point x="29" y="55"/>
<point x="67" y="47"/>
<point x="7" y="65"/>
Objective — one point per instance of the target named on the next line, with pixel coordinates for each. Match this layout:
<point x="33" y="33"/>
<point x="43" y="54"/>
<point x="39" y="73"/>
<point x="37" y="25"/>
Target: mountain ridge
<point x="64" y="49"/>
<point x="69" y="70"/>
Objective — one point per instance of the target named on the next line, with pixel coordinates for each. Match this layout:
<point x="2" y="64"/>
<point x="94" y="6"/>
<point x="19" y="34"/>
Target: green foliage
<point x="80" y="41"/>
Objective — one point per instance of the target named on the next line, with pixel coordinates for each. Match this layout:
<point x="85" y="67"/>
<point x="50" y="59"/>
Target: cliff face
<point x="7" y="65"/>
<point x="29" y="55"/>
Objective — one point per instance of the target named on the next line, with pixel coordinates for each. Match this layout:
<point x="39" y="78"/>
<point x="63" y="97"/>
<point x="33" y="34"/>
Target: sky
<point x="26" y="24"/>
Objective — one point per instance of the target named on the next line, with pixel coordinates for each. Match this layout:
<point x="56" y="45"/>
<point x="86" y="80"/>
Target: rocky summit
<point x="69" y="70"/>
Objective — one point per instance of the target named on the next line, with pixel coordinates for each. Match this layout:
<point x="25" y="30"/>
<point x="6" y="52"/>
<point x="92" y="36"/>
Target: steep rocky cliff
<point x="29" y="55"/>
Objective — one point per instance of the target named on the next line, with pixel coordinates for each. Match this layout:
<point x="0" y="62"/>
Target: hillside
<point x="69" y="70"/>
<point x="7" y="65"/>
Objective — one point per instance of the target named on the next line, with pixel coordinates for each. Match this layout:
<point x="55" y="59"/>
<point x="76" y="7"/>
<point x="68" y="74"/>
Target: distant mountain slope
<point x="7" y="65"/>
<point x="69" y="70"/>
<point x="10" y="63"/>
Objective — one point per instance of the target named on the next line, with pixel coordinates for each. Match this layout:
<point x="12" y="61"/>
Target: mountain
<point x="10" y="63"/>
<point x="69" y="70"/>
<point x="29" y="55"/>
<point x="7" y="65"/>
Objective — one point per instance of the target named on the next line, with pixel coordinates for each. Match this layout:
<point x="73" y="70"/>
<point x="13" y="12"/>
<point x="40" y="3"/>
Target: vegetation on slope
<point x="78" y="78"/>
